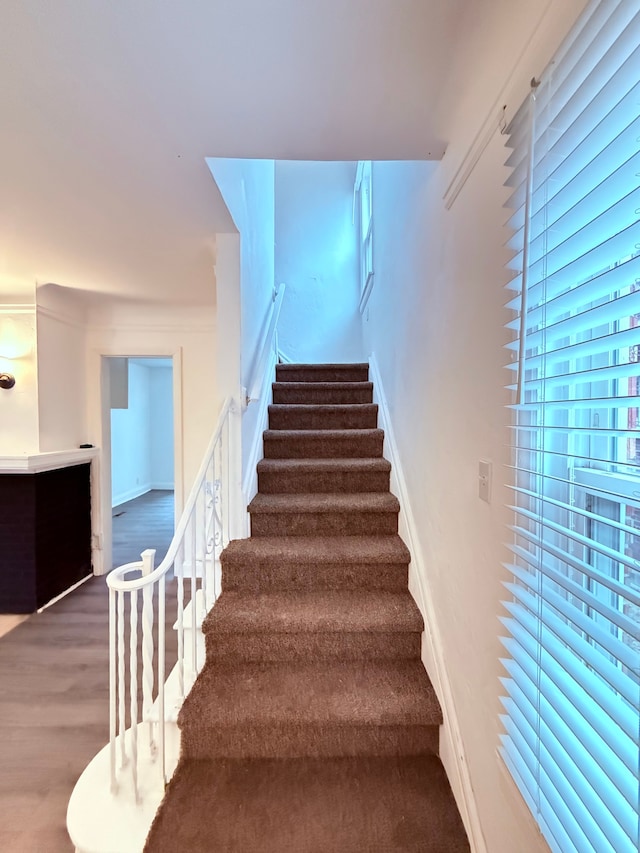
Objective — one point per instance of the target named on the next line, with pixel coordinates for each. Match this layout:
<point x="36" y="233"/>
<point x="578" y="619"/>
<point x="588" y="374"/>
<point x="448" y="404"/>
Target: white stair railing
<point x="137" y="593"/>
<point x="257" y="399"/>
<point x="256" y="386"/>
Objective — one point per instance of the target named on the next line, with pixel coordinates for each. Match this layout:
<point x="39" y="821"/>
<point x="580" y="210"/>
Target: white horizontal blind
<point x="572" y="666"/>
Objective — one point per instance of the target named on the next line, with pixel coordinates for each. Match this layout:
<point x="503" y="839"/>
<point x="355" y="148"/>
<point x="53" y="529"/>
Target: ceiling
<point x="109" y="109"/>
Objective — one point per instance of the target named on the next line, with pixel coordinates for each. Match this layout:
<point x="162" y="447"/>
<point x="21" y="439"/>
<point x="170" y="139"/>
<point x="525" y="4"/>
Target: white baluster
<point x="204" y="532"/>
<point x="121" y="684"/>
<point x="236" y="513"/>
<point x="211" y="538"/>
<point x="217" y="525"/>
<point x="180" y="621"/>
<point x="194" y="609"/>
<point x="133" y="689"/>
<point x="225" y="491"/>
<point x="161" y="675"/>
<point x="113" y="651"/>
<point x="212" y="534"/>
<point x="148" y="558"/>
<point x="223" y="469"/>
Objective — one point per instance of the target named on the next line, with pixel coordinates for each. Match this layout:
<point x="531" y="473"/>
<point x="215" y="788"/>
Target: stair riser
<point x="311" y="741"/>
<point x="230" y="649"/>
<point x="281" y="577"/>
<point x="320" y="524"/>
<point x="339" y="447"/>
<point x="288" y="482"/>
<point x="321" y="396"/>
<point x="291" y="373"/>
<point x="290" y="418"/>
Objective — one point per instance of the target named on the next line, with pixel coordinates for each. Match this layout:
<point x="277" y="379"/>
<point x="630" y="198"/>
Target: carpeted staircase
<point x="313" y="727"/>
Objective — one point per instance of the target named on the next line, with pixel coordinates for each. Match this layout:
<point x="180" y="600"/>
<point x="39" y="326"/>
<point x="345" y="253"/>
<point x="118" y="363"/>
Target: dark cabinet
<point x="45" y="535"/>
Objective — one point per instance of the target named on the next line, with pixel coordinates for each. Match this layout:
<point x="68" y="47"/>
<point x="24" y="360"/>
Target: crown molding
<point x="18" y="308"/>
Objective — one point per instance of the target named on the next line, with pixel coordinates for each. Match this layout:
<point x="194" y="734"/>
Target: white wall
<point x="247" y="187"/>
<point x="317" y="258"/>
<point x="130" y="440"/>
<point x="161" y="427"/>
<point x="142" y="434"/>
<point x="185" y="333"/>
<point x="228" y="381"/>
<point x="46" y="410"/>
<point x="145" y="330"/>
<point x="18" y="356"/>
<point x="62" y="397"/>
<point x="436" y="327"/>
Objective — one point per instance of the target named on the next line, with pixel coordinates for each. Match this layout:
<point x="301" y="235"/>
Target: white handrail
<point x="255" y="386"/>
<point x="202" y="532"/>
<point x="114" y="577"/>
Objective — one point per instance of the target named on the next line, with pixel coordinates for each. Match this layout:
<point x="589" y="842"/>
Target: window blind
<point x="571" y="690"/>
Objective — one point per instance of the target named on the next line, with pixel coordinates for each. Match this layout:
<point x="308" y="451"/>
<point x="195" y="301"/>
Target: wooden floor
<point x="54" y="695"/>
<point x="145" y="522"/>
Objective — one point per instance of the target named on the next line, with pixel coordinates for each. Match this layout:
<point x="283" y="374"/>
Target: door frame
<point x="100" y="428"/>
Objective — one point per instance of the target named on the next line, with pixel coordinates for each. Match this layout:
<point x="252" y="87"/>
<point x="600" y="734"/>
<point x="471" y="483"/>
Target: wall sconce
<point x="7" y="380"/>
<point x="16" y="334"/>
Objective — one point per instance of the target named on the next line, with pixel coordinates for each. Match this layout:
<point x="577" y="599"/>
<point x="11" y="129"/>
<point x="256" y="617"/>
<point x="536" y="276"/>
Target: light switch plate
<point x="484" y="480"/>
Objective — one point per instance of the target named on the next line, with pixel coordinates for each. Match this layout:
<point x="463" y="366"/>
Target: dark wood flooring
<point x="54" y="692"/>
<point x="144" y="522"/>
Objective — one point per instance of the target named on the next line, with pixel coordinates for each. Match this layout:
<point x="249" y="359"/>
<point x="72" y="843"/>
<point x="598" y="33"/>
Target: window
<point x="571" y="721"/>
<point x="363" y="200"/>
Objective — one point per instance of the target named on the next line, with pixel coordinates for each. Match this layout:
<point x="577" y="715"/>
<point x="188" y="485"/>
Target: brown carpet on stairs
<point x="313" y="727"/>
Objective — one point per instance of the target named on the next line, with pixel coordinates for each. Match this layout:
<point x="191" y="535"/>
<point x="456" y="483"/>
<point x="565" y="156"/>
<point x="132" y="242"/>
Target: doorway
<point x="137" y="486"/>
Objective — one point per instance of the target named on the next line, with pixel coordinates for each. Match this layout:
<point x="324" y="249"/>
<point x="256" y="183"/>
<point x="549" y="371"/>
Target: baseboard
<point x="162" y="487"/>
<point x="452" y="752"/>
<point x="130" y="494"/>
<point x="284" y="359"/>
<point x="250" y="481"/>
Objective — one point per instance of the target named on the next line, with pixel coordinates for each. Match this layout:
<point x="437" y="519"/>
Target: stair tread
<point x="311" y="463"/>
<point x="324" y="502"/>
<point x="323" y="416"/>
<point x="344" y="693"/>
<point x="303" y="386"/>
<point x="342" y="365"/>
<point x="369" y="550"/>
<point x="379" y="805"/>
<point x="317" y="391"/>
<point x="287" y="435"/>
<point x="310" y="612"/>
<point x="323" y="408"/>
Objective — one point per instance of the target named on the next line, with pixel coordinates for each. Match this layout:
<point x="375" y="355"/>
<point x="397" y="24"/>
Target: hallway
<point x="54" y="691"/>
